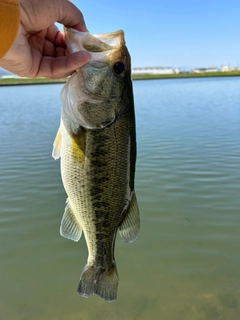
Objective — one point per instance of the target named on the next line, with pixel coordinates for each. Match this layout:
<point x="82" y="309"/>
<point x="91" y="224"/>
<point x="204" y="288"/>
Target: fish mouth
<point x="102" y="47"/>
<point x="113" y="39"/>
<point x="93" y="43"/>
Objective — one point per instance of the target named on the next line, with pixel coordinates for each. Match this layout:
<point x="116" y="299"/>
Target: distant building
<point x="8" y="76"/>
<point x="227" y="68"/>
<point x="15" y="76"/>
<point x="155" y="70"/>
<point x="200" y="70"/>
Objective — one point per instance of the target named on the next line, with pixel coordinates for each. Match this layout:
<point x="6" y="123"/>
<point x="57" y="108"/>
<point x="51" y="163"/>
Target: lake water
<point x="185" y="265"/>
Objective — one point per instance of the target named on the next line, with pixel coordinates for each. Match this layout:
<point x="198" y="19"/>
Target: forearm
<point x="9" y="24"/>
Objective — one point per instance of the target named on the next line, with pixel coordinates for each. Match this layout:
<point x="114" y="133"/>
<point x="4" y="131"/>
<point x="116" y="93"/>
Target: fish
<point x="96" y="144"/>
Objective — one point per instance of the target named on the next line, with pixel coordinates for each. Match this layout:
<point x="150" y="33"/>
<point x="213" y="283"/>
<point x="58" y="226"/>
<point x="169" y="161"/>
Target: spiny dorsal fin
<point x="70" y="228"/>
<point x="57" y="145"/>
<point x="130" y="226"/>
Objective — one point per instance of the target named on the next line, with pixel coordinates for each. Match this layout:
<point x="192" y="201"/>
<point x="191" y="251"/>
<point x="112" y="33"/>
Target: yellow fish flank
<point x="96" y="141"/>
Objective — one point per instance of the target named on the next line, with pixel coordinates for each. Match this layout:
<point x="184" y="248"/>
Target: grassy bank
<point x="181" y="75"/>
<point x="19" y="81"/>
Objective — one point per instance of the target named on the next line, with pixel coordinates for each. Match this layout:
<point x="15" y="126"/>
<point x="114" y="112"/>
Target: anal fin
<point x="70" y="227"/>
<point x="129" y="229"/>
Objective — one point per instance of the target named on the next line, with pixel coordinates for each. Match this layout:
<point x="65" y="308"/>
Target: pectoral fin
<point x="57" y="145"/>
<point x="130" y="226"/>
<point x="70" y="228"/>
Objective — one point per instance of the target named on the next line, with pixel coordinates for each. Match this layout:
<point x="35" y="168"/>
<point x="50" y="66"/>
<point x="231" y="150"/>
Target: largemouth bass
<point x="97" y="145"/>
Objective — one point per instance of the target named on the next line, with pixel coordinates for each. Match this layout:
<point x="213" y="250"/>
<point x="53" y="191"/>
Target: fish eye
<point x="119" y="67"/>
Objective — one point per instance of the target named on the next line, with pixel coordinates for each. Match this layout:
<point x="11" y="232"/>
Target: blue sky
<point x="183" y="33"/>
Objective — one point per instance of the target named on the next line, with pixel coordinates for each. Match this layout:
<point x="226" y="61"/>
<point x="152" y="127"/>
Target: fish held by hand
<point x="96" y="141"/>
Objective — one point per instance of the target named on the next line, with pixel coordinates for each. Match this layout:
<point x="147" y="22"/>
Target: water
<point x="184" y="265"/>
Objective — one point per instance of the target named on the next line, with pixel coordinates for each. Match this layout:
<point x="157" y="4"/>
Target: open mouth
<point x="77" y="41"/>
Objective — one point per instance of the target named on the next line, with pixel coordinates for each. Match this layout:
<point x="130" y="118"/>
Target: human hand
<point x="39" y="49"/>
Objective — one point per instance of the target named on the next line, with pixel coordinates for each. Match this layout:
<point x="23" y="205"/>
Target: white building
<point x="227" y="68"/>
<point x="155" y="70"/>
<point x="200" y="70"/>
<point x="9" y="76"/>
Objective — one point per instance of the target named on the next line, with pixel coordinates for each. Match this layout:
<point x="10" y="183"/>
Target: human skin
<point x="39" y="49"/>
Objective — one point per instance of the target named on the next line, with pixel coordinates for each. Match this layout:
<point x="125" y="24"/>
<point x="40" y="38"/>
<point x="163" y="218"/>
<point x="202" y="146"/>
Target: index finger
<point x="71" y="16"/>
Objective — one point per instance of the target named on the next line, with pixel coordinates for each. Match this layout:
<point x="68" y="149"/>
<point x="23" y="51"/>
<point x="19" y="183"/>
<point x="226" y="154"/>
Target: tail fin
<point x="99" y="281"/>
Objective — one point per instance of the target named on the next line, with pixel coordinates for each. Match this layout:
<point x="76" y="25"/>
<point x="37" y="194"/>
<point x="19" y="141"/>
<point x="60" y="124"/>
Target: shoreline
<point x="186" y="75"/>
<point x="29" y="81"/>
<point x="182" y="75"/>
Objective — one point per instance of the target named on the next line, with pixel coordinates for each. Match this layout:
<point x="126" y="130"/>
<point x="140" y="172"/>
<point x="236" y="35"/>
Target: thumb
<point x="63" y="66"/>
<point x="77" y="60"/>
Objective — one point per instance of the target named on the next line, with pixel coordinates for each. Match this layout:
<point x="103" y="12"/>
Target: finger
<point x="55" y="36"/>
<point x="38" y="15"/>
<point x="70" y="15"/>
<point x="54" y="40"/>
<point x="60" y="67"/>
<point x="49" y="49"/>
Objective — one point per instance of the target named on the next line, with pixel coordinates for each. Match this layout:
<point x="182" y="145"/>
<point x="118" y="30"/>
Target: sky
<point x="183" y="34"/>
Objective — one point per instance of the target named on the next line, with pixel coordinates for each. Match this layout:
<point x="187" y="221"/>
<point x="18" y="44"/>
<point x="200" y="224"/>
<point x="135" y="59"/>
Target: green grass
<point x="21" y="81"/>
<point x="17" y="81"/>
<point x="185" y="75"/>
